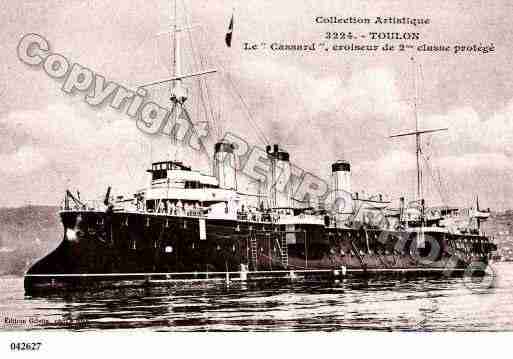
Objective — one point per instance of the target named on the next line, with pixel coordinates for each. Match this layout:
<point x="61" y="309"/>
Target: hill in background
<point x="27" y="234"/>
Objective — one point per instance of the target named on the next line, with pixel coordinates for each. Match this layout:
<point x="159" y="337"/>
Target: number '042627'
<point x="22" y="346"/>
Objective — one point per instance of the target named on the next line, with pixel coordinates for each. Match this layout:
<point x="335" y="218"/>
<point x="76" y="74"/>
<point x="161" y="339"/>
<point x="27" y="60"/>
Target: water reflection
<point x="387" y="304"/>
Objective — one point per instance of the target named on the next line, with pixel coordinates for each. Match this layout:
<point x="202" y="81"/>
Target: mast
<point x="417" y="136"/>
<point x="175" y="42"/>
<point x="418" y="148"/>
<point x="178" y="92"/>
<point x="478" y="219"/>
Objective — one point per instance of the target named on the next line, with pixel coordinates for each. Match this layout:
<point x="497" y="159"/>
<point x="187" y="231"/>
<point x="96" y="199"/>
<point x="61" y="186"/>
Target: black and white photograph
<point x="171" y="166"/>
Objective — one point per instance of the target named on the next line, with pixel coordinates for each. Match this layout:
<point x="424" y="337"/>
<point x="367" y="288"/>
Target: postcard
<point x="255" y="166"/>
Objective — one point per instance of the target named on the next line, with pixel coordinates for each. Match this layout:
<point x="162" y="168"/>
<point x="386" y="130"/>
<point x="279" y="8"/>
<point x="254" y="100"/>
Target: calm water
<point x="422" y="304"/>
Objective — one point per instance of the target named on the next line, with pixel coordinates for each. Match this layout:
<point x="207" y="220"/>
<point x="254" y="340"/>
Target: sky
<point x="320" y="106"/>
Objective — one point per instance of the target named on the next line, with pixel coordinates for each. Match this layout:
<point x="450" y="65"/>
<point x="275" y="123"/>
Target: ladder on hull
<point x="254" y="251"/>
<point x="284" y="251"/>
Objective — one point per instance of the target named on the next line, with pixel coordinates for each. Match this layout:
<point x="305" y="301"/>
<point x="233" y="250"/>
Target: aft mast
<point x="418" y="149"/>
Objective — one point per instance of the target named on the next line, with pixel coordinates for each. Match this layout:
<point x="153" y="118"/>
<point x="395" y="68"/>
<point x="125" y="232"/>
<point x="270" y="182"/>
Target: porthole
<point x="168" y="249"/>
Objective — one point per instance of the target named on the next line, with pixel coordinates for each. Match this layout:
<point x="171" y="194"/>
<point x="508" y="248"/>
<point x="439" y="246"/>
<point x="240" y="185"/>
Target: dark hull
<point x="100" y="247"/>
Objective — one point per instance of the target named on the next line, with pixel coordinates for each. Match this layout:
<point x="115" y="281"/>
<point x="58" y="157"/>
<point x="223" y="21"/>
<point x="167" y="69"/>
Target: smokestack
<point x="224" y="165"/>
<point x="283" y="188"/>
<point x="341" y="185"/>
<point x="401" y="208"/>
<point x="279" y="190"/>
<point x="341" y="176"/>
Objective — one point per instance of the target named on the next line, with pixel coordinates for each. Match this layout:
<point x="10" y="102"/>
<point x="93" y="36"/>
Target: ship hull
<point x="100" y="247"/>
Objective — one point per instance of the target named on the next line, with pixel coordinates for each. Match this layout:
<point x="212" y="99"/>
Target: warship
<point x="187" y="225"/>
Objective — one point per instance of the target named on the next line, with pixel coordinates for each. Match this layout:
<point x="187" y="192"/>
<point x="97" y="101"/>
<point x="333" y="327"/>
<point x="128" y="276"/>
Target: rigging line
<point x="194" y="57"/>
<point x="430" y="171"/>
<point x="262" y="138"/>
<point x="194" y="131"/>
<point x="209" y="102"/>
<point x="442" y="187"/>
<point x="422" y="77"/>
<point x="259" y="132"/>
<point x="217" y="121"/>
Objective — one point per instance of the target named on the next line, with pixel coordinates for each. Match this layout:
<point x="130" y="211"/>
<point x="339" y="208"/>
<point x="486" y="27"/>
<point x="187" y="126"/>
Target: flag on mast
<point x="228" y="37"/>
